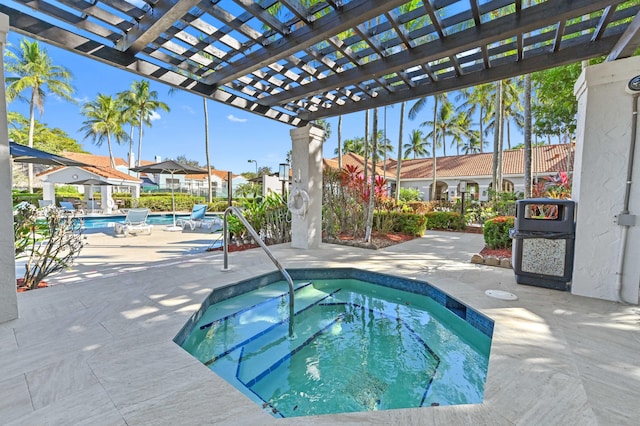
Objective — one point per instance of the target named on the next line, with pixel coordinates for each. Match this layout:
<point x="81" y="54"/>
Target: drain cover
<point x="502" y="295"/>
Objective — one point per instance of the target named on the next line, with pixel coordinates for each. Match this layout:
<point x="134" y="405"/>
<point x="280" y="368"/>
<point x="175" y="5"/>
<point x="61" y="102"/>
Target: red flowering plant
<point x="558" y="187"/>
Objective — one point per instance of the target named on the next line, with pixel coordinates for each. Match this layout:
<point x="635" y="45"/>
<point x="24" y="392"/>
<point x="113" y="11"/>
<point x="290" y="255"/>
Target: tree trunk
<point x="129" y="162"/>
<point x="32" y="125"/>
<point x="496" y="138"/>
<point x="399" y="165"/>
<point x="366" y="147"/>
<point x="481" y="131"/>
<point x="111" y="160"/>
<point x="138" y="160"/>
<point x="527" y="136"/>
<point x="340" y="143"/>
<point x="206" y="148"/>
<point x="434" y="147"/>
<point x="501" y="136"/>
<point x="372" y="187"/>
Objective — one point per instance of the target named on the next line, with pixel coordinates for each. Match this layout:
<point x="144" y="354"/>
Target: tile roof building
<point x="475" y="169"/>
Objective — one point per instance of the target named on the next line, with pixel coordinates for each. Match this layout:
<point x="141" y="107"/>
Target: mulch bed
<point x="378" y="240"/>
<point x="499" y="253"/>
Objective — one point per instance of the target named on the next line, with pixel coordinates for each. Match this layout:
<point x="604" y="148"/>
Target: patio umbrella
<point x="174" y="168"/>
<point x="24" y="154"/>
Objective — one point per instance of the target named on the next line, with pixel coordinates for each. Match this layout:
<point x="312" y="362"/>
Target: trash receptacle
<point x="544" y="242"/>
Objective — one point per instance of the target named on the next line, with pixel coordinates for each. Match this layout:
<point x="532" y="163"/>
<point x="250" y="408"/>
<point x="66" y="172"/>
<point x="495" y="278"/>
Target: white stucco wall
<point x="602" y="146"/>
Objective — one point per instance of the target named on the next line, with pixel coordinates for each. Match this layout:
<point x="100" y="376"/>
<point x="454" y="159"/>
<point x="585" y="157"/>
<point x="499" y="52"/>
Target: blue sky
<point x="235" y="136"/>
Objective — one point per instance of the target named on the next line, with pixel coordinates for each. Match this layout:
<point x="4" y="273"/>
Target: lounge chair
<point x="68" y="206"/>
<point x="135" y="222"/>
<point x="197" y="218"/>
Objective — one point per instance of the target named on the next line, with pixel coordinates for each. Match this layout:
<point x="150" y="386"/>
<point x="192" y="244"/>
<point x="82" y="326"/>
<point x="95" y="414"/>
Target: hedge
<point x="445" y="220"/>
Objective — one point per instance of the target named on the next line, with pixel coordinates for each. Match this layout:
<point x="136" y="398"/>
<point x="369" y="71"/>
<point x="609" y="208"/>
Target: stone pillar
<point x="49" y="191"/>
<point x="8" y="299"/>
<point x="602" y="151"/>
<point x="306" y="166"/>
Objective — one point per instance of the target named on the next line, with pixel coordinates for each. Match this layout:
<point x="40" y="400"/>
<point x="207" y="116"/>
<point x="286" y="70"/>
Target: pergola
<point x="297" y="61"/>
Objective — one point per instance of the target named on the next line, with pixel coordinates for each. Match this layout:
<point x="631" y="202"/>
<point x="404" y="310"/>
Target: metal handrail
<point x="225" y="232"/>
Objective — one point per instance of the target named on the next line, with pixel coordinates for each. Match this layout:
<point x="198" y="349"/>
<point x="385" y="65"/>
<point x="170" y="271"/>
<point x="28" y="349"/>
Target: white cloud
<point x="154" y="116"/>
<point x="82" y="100"/>
<point x="188" y="109"/>
<point x="235" y="119"/>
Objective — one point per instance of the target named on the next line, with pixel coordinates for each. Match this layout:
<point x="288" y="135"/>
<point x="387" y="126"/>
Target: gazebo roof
<point x="296" y="61"/>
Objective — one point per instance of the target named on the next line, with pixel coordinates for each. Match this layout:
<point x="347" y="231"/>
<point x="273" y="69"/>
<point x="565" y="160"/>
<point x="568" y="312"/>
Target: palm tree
<point x="473" y="143"/>
<point x="416" y="145"/>
<point x="339" y="142"/>
<point x="326" y="126"/>
<point x="399" y="165"/>
<point x="384" y="146"/>
<point x="31" y="68"/>
<point x="104" y="119"/>
<point x="478" y="98"/>
<point x="448" y="123"/>
<point x="355" y="146"/>
<point x="206" y="149"/>
<point x="372" y="187"/>
<point x="143" y="102"/>
<point x="413" y="113"/>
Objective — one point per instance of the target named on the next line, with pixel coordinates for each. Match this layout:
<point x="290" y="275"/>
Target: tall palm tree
<point x="372" y="187"/>
<point x="399" y="165"/>
<point x="206" y="149"/>
<point x="413" y="113"/>
<point x="478" y="98"/>
<point x="416" y="145"/>
<point x="527" y="136"/>
<point x="143" y="102"/>
<point x="447" y="123"/>
<point x="104" y="120"/>
<point x="473" y="143"/>
<point x="30" y="67"/>
<point x="340" y="142"/>
<point x="355" y="146"/>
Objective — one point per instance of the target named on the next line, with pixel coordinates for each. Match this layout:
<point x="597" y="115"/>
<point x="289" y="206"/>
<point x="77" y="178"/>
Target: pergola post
<point x="306" y="166"/>
<point x="8" y="298"/>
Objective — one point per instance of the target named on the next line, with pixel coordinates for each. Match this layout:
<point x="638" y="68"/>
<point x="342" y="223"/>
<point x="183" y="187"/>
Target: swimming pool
<point x="96" y="222"/>
<point x="363" y="341"/>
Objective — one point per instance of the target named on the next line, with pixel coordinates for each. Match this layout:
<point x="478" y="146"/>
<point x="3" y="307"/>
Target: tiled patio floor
<point x="96" y="348"/>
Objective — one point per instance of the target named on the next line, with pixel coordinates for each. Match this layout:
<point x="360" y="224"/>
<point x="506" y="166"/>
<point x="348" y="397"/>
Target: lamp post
<point x="283" y="175"/>
<point x="462" y="187"/>
<point x="254" y="161"/>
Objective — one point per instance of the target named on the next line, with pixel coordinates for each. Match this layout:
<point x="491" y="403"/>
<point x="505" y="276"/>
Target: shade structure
<point x="91" y="182"/>
<point x="25" y="154"/>
<point x="173" y="168"/>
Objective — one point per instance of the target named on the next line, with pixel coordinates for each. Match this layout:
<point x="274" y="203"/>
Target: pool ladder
<point x="225" y="232"/>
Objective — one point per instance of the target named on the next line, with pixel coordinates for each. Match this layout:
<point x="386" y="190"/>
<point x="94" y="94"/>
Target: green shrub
<point x="218" y="206"/>
<point x="410" y="194"/>
<point x="163" y="202"/>
<point x="445" y="220"/>
<point x="496" y="232"/>
<point x="401" y="222"/>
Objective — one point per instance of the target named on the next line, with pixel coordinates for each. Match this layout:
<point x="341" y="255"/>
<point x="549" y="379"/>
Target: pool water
<point x="109" y="222"/>
<point x="358" y="346"/>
